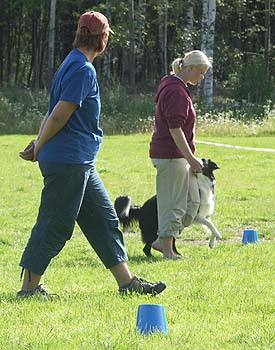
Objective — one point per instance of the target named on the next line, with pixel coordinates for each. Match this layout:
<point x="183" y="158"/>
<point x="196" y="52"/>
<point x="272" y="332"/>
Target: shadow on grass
<point x="80" y="261"/>
<point x="11" y="298"/>
<point x="145" y="259"/>
<point x="5" y="242"/>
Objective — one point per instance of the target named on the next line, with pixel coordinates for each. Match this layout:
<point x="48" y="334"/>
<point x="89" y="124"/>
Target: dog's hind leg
<point x="209" y="224"/>
<point x="147" y="249"/>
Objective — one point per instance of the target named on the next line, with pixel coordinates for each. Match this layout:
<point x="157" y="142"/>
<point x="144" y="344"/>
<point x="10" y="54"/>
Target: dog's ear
<point x="213" y="165"/>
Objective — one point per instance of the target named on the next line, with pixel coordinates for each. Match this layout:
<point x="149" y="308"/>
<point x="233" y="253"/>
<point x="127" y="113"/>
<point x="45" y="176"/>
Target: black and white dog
<point x="147" y="218"/>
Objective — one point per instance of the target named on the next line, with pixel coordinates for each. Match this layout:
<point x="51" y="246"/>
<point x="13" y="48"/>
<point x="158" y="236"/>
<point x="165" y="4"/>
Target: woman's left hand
<point x="29" y="151"/>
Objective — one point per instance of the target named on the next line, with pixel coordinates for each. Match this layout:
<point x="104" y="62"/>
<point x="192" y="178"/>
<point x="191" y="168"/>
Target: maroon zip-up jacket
<point x="174" y="109"/>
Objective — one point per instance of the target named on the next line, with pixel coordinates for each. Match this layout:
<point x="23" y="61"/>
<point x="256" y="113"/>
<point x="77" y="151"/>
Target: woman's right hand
<point x="195" y="164"/>
<point x="180" y="141"/>
<point x="29" y="151"/>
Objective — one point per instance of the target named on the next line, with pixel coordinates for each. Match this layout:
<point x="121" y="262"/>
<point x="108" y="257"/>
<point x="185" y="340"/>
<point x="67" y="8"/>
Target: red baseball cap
<point x="96" y="22"/>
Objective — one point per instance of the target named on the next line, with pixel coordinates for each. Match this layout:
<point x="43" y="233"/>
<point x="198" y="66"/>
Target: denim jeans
<point x="73" y="193"/>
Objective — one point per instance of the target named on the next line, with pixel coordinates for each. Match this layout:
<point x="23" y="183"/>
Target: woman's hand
<point x="29" y="152"/>
<point x="195" y="164"/>
<point x="180" y="141"/>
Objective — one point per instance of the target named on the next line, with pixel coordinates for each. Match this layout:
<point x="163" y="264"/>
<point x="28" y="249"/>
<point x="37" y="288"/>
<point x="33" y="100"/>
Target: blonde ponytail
<point x="177" y="65"/>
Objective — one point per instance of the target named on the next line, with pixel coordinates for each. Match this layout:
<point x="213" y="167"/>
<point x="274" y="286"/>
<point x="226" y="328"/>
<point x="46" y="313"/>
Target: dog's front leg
<point x="209" y="224"/>
<point x="214" y="232"/>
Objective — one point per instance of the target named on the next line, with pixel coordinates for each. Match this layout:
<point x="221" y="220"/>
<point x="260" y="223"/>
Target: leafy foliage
<point x="250" y="82"/>
<point x="240" y="31"/>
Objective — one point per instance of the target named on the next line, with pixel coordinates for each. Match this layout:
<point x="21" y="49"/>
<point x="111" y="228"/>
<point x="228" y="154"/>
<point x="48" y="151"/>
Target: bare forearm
<point x="54" y="122"/>
<point x="51" y="127"/>
<point x="42" y="124"/>
<point x="182" y="144"/>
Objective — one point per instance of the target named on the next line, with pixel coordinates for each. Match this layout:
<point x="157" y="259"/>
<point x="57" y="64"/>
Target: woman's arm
<point x="53" y="123"/>
<point x="43" y="124"/>
<point x="28" y="152"/>
<point x="180" y="141"/>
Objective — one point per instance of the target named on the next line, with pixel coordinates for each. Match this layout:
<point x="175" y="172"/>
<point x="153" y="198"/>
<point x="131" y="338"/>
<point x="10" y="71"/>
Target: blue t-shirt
<point x="78" y="142"/>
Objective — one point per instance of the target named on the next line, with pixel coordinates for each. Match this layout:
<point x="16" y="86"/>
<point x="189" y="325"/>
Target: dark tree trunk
<point x="36" y="48"/>
<point x="132" y="60"/>
<point x="10" y="43"/>
<point x="2" y="45"/>
<point x="107" y="69"/>
<point x="18" y="48"/>
<point x="267" y="37"/>
<point x="51" y="43"/>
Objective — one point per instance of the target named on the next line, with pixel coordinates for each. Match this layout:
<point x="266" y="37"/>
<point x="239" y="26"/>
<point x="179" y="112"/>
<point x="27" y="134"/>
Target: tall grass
<point x="223" y="125"/>
<point x="215" y="299"/>
<point x="22" y="110"/>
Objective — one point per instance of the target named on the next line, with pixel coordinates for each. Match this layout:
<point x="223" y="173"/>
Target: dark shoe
<point x="140" y="286"/>
<point x="39" y="290"/>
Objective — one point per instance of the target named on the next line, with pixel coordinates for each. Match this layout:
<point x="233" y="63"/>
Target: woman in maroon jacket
<point x="172" y="149"/>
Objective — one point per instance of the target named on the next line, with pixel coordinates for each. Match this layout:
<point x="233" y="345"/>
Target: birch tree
<point x="189" y="25"/>
<point x="140" y="52"/>
<point x="162" y="31"/>
<point x="207" y="44"/>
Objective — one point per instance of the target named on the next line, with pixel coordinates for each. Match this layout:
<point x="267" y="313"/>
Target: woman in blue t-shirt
<point x="66" y="148"/>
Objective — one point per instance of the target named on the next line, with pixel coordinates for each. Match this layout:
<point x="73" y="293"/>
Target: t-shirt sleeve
<point x="76" y="87"/>
<point x="176" y="109"/>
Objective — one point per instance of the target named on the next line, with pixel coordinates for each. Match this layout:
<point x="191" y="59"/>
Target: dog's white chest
<point x="206" y="196"/>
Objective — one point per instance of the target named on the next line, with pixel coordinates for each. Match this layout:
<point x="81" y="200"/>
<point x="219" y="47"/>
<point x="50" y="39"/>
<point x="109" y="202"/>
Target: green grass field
<point x="215" y="300"/>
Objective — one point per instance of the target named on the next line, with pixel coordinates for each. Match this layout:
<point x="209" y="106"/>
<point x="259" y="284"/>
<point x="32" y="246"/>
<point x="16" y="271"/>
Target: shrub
<point x="250" y="82"/>
<point x="21" y="111"/>
<point x="123" y="113"/>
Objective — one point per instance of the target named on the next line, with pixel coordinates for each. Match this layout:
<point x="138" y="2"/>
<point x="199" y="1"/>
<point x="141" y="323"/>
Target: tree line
<point x="36" y="35"/>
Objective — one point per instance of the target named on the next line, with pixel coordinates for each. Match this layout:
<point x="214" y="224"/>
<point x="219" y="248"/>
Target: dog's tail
<point x="127" y="213"/>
